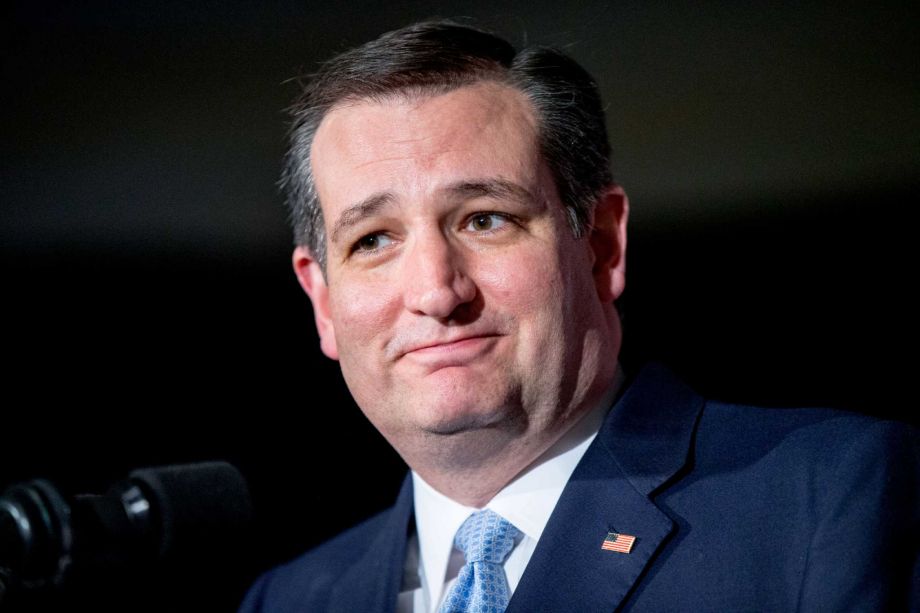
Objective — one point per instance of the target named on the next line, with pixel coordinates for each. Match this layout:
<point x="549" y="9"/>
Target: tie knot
<point x="486" y="536"/>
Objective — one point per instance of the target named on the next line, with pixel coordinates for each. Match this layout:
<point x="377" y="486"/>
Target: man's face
<point x="463" y="311"/>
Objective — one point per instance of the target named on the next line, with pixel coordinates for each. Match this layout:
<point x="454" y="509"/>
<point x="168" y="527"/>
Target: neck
<point x="472" y="481"/>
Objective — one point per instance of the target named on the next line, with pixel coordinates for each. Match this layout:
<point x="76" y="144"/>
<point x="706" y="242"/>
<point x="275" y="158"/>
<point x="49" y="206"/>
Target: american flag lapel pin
<point x="619" y="542"/>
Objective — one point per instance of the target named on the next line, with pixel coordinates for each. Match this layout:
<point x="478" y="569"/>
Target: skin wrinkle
<point x="396" y="158"/>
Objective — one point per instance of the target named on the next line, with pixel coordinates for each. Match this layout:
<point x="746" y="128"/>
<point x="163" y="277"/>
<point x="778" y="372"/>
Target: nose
<point x="434" y="278"/>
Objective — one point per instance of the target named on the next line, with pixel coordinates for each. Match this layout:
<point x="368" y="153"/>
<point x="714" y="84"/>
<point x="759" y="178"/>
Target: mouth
<point x="452" y="351"/>
<point x="448" y="344"/>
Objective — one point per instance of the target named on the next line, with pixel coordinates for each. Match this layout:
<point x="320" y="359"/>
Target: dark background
<point x="150" y="315"/>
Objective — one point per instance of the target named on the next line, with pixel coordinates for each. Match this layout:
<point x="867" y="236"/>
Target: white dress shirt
<point x="432" y="561"/>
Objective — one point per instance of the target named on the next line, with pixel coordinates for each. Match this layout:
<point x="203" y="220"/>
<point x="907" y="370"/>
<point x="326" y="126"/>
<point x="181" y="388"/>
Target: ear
<point x="608" y="242"/>
<point x="313" y="282"/>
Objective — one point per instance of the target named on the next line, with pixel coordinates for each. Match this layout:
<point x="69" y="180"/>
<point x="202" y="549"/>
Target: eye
<point x="372" y="242"/>
<point x="484" y="222"/>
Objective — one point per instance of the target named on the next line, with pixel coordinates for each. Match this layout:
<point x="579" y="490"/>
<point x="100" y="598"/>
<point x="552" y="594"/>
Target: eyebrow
<point x="461" y="190"/>
<point x="356" y="212"/>
<point x="492" y="188"/>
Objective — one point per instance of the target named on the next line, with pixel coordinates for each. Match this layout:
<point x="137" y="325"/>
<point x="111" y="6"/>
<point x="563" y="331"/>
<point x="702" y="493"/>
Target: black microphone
<point x="155" y="514"/>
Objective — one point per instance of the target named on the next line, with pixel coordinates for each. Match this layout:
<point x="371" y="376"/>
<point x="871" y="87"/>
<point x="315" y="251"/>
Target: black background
<point x="150" y="315"/>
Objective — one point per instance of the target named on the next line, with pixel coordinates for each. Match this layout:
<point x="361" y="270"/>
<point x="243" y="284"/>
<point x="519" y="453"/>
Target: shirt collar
<point x="527" y="501"/>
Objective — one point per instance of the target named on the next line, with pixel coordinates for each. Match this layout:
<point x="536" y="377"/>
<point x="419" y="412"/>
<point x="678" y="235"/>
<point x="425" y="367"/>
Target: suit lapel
<point x="374" y="581"/>
<point x="644" y="441"/>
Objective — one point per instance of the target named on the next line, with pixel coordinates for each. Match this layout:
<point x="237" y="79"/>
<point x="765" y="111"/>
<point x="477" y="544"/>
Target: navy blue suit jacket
<point x="734" y="508"/>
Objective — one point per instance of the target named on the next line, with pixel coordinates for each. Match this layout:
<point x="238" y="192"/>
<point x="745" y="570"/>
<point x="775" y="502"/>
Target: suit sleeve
<point x="863" y="554"/>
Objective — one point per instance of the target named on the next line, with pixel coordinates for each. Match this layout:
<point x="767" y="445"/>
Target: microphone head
<point x="192" y="505"/>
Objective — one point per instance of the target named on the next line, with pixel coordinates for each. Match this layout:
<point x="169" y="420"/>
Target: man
<point x="462" y="242"/>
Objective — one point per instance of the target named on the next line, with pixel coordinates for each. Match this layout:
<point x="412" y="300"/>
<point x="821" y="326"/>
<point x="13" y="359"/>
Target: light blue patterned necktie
<point x="485" y="538"/>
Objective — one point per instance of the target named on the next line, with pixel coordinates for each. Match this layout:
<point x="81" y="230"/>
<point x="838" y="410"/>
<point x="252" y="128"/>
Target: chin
<point x="452" y="420"/>
<point x="459" y="425"/>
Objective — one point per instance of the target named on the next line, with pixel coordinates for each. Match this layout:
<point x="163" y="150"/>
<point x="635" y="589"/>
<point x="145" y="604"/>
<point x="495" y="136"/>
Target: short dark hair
<point x="437" y="57"/>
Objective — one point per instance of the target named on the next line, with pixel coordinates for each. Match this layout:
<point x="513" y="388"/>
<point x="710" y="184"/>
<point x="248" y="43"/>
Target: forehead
<point x="409" y="143"/>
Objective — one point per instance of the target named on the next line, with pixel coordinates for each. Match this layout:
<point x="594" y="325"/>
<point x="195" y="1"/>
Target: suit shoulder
<point x="308" y="578"/>
<point x="844" y="487"/>
<point x="815" y="448"/>
<point x="816" y="429"/>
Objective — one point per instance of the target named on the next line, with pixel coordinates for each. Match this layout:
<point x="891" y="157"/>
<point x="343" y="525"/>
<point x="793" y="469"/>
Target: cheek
<point x="363" y="315"/>
<point x="549" y="294"/>
<point x="528" y="288"/>
<point x="361" y="311"/>
<point x="519" y="283"/>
